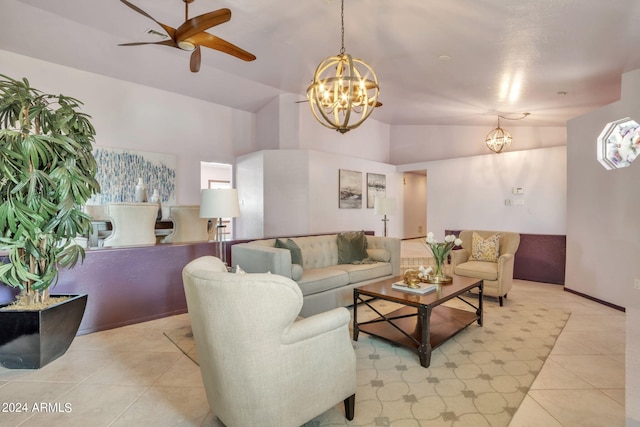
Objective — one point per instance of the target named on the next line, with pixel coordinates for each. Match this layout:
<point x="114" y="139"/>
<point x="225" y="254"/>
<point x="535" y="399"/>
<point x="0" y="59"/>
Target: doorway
<point x="414" y="196"/>
<point x="218" y="175"/>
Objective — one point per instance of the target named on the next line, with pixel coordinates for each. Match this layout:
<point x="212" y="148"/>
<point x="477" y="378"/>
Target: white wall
<point x="300" y="194"/>
<point x="425" y="143"/>
<point x="470" y="192"/>
<point x="603" y="235"/>
<point x="277" y="123"/>
<point x="369" y="141"/>
<point x="603" y="231"/>
<point x="127" y="115"/>
<point x="324" y="212"/>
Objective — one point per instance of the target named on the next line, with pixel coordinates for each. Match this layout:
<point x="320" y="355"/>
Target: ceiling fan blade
<point x="202" y="22"/>
<point x="169" y="43"/>
<point x="171" y="31"/>
<point x="195" y="60"/>
<point x="213" y="42"/>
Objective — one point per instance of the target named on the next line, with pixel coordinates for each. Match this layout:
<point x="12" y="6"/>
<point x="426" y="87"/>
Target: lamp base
<point x="220" y="239"/>
<point x="385" y="220"/>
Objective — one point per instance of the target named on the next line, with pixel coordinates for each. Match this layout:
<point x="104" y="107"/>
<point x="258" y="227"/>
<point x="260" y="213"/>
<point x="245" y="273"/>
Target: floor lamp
<point x="219" y="203"/>
<point x="384" y="206"/>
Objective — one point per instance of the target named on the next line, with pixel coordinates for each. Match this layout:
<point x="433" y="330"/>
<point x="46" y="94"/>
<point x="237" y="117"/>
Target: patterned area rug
<point x="477" y="378"/>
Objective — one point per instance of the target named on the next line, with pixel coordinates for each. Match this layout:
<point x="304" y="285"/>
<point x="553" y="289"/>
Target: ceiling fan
<point x="191" y="34"/>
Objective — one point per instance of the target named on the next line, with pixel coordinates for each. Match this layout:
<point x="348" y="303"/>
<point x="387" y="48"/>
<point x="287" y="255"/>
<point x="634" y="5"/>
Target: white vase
<point x="155" y="198"/>
<point x="140" y="195"/>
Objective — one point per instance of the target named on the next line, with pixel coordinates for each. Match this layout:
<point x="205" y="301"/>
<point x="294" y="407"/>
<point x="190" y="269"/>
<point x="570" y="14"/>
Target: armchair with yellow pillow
<point x="487" y="255"/>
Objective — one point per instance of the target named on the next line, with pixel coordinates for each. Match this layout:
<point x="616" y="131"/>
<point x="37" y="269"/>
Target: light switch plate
<point x="636" y="284"/>
<point x="517" y="190"/>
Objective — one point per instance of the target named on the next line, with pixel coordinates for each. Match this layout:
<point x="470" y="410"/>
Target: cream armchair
<point x="497" y="276"/>
<point x="261" y="366"/>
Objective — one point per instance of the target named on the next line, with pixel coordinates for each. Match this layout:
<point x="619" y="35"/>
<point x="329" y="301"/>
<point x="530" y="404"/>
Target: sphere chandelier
<point x="498" y="139"/>
<point x="344" y="90"/>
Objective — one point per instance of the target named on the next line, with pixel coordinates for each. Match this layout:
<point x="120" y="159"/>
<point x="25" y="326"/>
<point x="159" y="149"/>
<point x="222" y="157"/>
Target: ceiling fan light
<point x="188" y="46"/>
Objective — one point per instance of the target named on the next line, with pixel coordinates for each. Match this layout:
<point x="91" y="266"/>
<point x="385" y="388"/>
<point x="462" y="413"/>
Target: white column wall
<point x="286" y="193"/>
<point x="249" y="179"/>
<point x="277" y="123"/>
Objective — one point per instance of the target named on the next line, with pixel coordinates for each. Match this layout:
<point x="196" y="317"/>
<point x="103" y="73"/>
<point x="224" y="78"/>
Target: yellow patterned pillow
<point x="485" y="249"/>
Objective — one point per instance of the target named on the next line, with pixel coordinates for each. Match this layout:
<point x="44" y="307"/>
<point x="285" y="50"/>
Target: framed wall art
<point x="376" y="187"/>
<point x="350" y="191"/>
<point x="119" y="171"/>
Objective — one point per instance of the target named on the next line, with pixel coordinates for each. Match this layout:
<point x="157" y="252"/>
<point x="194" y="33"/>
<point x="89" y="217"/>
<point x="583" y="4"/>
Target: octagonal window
<point x="619" y="143"/>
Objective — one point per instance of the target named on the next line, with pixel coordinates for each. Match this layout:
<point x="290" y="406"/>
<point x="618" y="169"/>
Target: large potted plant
<point x="48" y="173"/>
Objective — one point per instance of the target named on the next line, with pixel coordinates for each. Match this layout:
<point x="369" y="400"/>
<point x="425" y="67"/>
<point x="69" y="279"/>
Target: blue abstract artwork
<point x="119" y="171"/>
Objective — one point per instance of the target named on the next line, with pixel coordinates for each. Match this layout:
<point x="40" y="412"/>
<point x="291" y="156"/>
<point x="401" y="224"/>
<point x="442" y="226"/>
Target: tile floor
<point x="582" y="381"/>
<point x="134" y="376"/>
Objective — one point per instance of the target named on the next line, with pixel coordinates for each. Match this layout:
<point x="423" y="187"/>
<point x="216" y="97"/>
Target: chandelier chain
<point x="342" y="24"/>
<point x="510" y="118"/>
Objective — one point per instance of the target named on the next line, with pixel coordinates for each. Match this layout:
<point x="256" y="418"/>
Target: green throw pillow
<point x="296" y="252"/>
<point x="352" y="246"/>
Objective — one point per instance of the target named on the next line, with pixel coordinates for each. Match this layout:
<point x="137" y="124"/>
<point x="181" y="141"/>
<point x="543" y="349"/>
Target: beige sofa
<point x="325" y="284"/>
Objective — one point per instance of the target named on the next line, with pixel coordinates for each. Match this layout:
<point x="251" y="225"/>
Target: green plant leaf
<point x="48" y="172"/>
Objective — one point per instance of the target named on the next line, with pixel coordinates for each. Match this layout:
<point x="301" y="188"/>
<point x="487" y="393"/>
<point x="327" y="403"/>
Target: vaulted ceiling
<point x="454" y="62"/>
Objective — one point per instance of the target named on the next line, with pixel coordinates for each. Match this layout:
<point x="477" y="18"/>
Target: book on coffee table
<point x="423" y="289"/>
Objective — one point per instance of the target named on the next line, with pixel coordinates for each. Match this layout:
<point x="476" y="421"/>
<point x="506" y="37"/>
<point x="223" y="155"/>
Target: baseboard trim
<point x="608" y="304"/>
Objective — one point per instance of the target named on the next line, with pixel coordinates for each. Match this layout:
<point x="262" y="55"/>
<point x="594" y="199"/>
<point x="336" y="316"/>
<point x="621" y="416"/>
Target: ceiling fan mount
<point x="191" y="34"/>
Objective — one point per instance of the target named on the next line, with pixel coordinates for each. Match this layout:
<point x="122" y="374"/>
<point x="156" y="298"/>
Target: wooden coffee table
<point x="423" y="323"/>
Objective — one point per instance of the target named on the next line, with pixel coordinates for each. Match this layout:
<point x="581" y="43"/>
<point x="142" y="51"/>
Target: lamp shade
<point x="219" y="203"/>
<point x="384" y="206"/>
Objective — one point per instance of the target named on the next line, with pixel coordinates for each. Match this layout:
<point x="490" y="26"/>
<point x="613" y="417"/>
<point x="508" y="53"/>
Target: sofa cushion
<point x="361" y="272"/>
<point x="485" y="249"/>
<point x="352" y="246"/>
<point x="382" y="255"/>
<point x="318" y="251"/>
<point x="296" y="253"/>
<point x="296" y="272"/>
<point x="316" y="280"/>
<point x="480" y="269"/>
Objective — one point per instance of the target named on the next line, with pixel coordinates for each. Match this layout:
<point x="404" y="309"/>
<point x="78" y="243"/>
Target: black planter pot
<point x="32" y="339"/>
